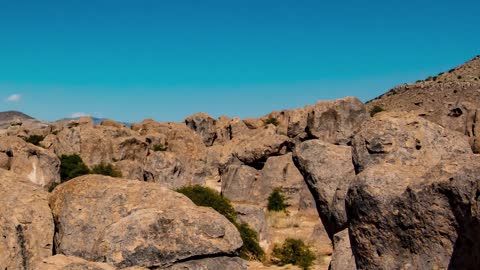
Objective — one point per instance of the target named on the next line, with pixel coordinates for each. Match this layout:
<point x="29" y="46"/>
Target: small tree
<point x="35" y="139"/>
<point x="204" y="196"/>
<point x="277" y="201"/>
<point x="271" y="120"/>
<point x="72" y="166"/>
<point x="376" y="109"/>
<point x="106" y="169"/>
<point x="294" y="251"/>
<point x="251" y="249"/>
<point x="159" y="147"/>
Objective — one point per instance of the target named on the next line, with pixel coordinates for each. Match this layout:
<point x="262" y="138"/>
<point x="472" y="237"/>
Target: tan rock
<point x="405" y="139"/>
<point x="40" y="166"/>
<point x="26" y="223"/>
<point x="136" y="224"/>
<point x="342" y="258"/>
<point x="62" y="262"/>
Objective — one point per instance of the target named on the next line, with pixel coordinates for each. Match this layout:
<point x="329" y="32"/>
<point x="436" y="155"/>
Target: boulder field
<point x="389" y="191"/>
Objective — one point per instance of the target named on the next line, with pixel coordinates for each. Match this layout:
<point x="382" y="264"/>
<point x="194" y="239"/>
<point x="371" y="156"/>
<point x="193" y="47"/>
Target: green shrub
<point x="271" y="120"/>
<point x="250" y="250"/>
<point x="106" y="169"/>
<point x="159" y="147"/>
<point x="35" y="139"/>
<point x="376" y="109"/>
<point x="72" y="166"/>
<point x="294" y="251"/>
<point x="277" y="201"/>
<point x="204" y="196"/>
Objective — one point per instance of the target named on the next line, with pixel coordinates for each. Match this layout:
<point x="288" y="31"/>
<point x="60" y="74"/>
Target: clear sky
<point x="166" y="59"/>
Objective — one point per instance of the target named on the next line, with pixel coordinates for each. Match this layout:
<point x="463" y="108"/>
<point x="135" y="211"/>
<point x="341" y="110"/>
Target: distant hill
<point x="438" y="97"/>
<point x="7" y="117"/>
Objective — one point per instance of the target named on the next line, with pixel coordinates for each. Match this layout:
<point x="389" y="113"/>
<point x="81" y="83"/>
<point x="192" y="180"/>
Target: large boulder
<point x="40" y="166"/>
<point x="405" y="139"/>
<point x="328" y="171"/>
<point x="26" y="223"/>
<point x="203" y="125"/>
<point x="136" y="224"/>
<point x="242" y="183"/>
<point x="414" y="217"/>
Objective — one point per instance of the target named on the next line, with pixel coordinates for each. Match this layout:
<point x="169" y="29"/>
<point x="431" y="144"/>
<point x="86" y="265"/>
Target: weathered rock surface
<point x="62" y="262"/>
<point x="136" y="224"/>
<point x="245" y="184"/>
<point x="342" y="258"/>
<point x="40" y="166"/>
<point x="203" y="125"/>
<point x="405" y="139"/>
<point x="402" y="217"/>
<point x="212" y="264"/>
<point x="328" y="170"/>
<point x="26" y="223"/>
<point x="255" y="217"/>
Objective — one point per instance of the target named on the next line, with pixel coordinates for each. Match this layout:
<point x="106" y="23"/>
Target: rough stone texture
<point x="405" y="139"/>
<point x="203" y="125"/>
<point x="62" y="262"/>
<point x="242" y="183"/>
<point x="255" y="217"/>
<point x="136" y="224"/>
<point x="40" y="166"/>
<point x="26" y="223"/>
<point x="450" y="99"/>
<point x="336" y="121"/>
<point x="212" y="264"/>
<point x="407" y="217"/>
<point x="328" y="170"/>
<point x="342" y="258"/>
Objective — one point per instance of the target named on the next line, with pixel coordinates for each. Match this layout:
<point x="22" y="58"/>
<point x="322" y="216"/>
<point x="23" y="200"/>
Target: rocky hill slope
<point x="450" y="99"/>
<point x="396" y="190"/>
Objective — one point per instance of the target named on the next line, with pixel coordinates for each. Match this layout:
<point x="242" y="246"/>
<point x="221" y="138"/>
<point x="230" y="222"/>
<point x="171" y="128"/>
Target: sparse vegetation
<point x="250" y="250"/>
<point x="271" y="121"/>
<point x="204" y="196"/>
<point x="376" y="109"/>
<point x="35" y="139"/>
<point x="159" y="147"/>
<point x="72" y="166"/>
<point x="294" y="251"/>
<point x="106" y="169"/>
<point x="277" y="202"/>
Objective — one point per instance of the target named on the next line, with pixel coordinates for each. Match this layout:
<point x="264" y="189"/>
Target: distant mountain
<point x="7" y="117"/>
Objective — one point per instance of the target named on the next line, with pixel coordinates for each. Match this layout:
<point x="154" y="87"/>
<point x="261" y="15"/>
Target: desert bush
<point x="376" y="109"/>
<point x="106" y="169"/>
<point x="159" y="147"/>
<point x="72" y="166"/>
<point x="251" y="249"/>
<point x="204" y="196"/>
<point x="35" y="139"/>
<point x="294" y="251"/>
<point x="277" y="201"/>
<point x="271" y="120"/>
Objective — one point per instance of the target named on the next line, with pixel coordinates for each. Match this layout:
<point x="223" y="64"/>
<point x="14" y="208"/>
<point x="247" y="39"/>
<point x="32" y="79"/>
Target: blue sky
<point x="133" y="59"/>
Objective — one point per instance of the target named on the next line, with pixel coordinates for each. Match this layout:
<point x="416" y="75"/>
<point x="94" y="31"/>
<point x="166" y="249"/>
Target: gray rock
<point x="342" y="258"/>
<point x="328" y="170"/>
<point x="212" y="264"/>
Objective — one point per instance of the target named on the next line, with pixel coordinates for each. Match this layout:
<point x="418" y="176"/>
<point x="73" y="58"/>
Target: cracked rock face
<point x="26" y="223"/>
<point x="136" y="224"/>
<point x="40" y="166"/>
